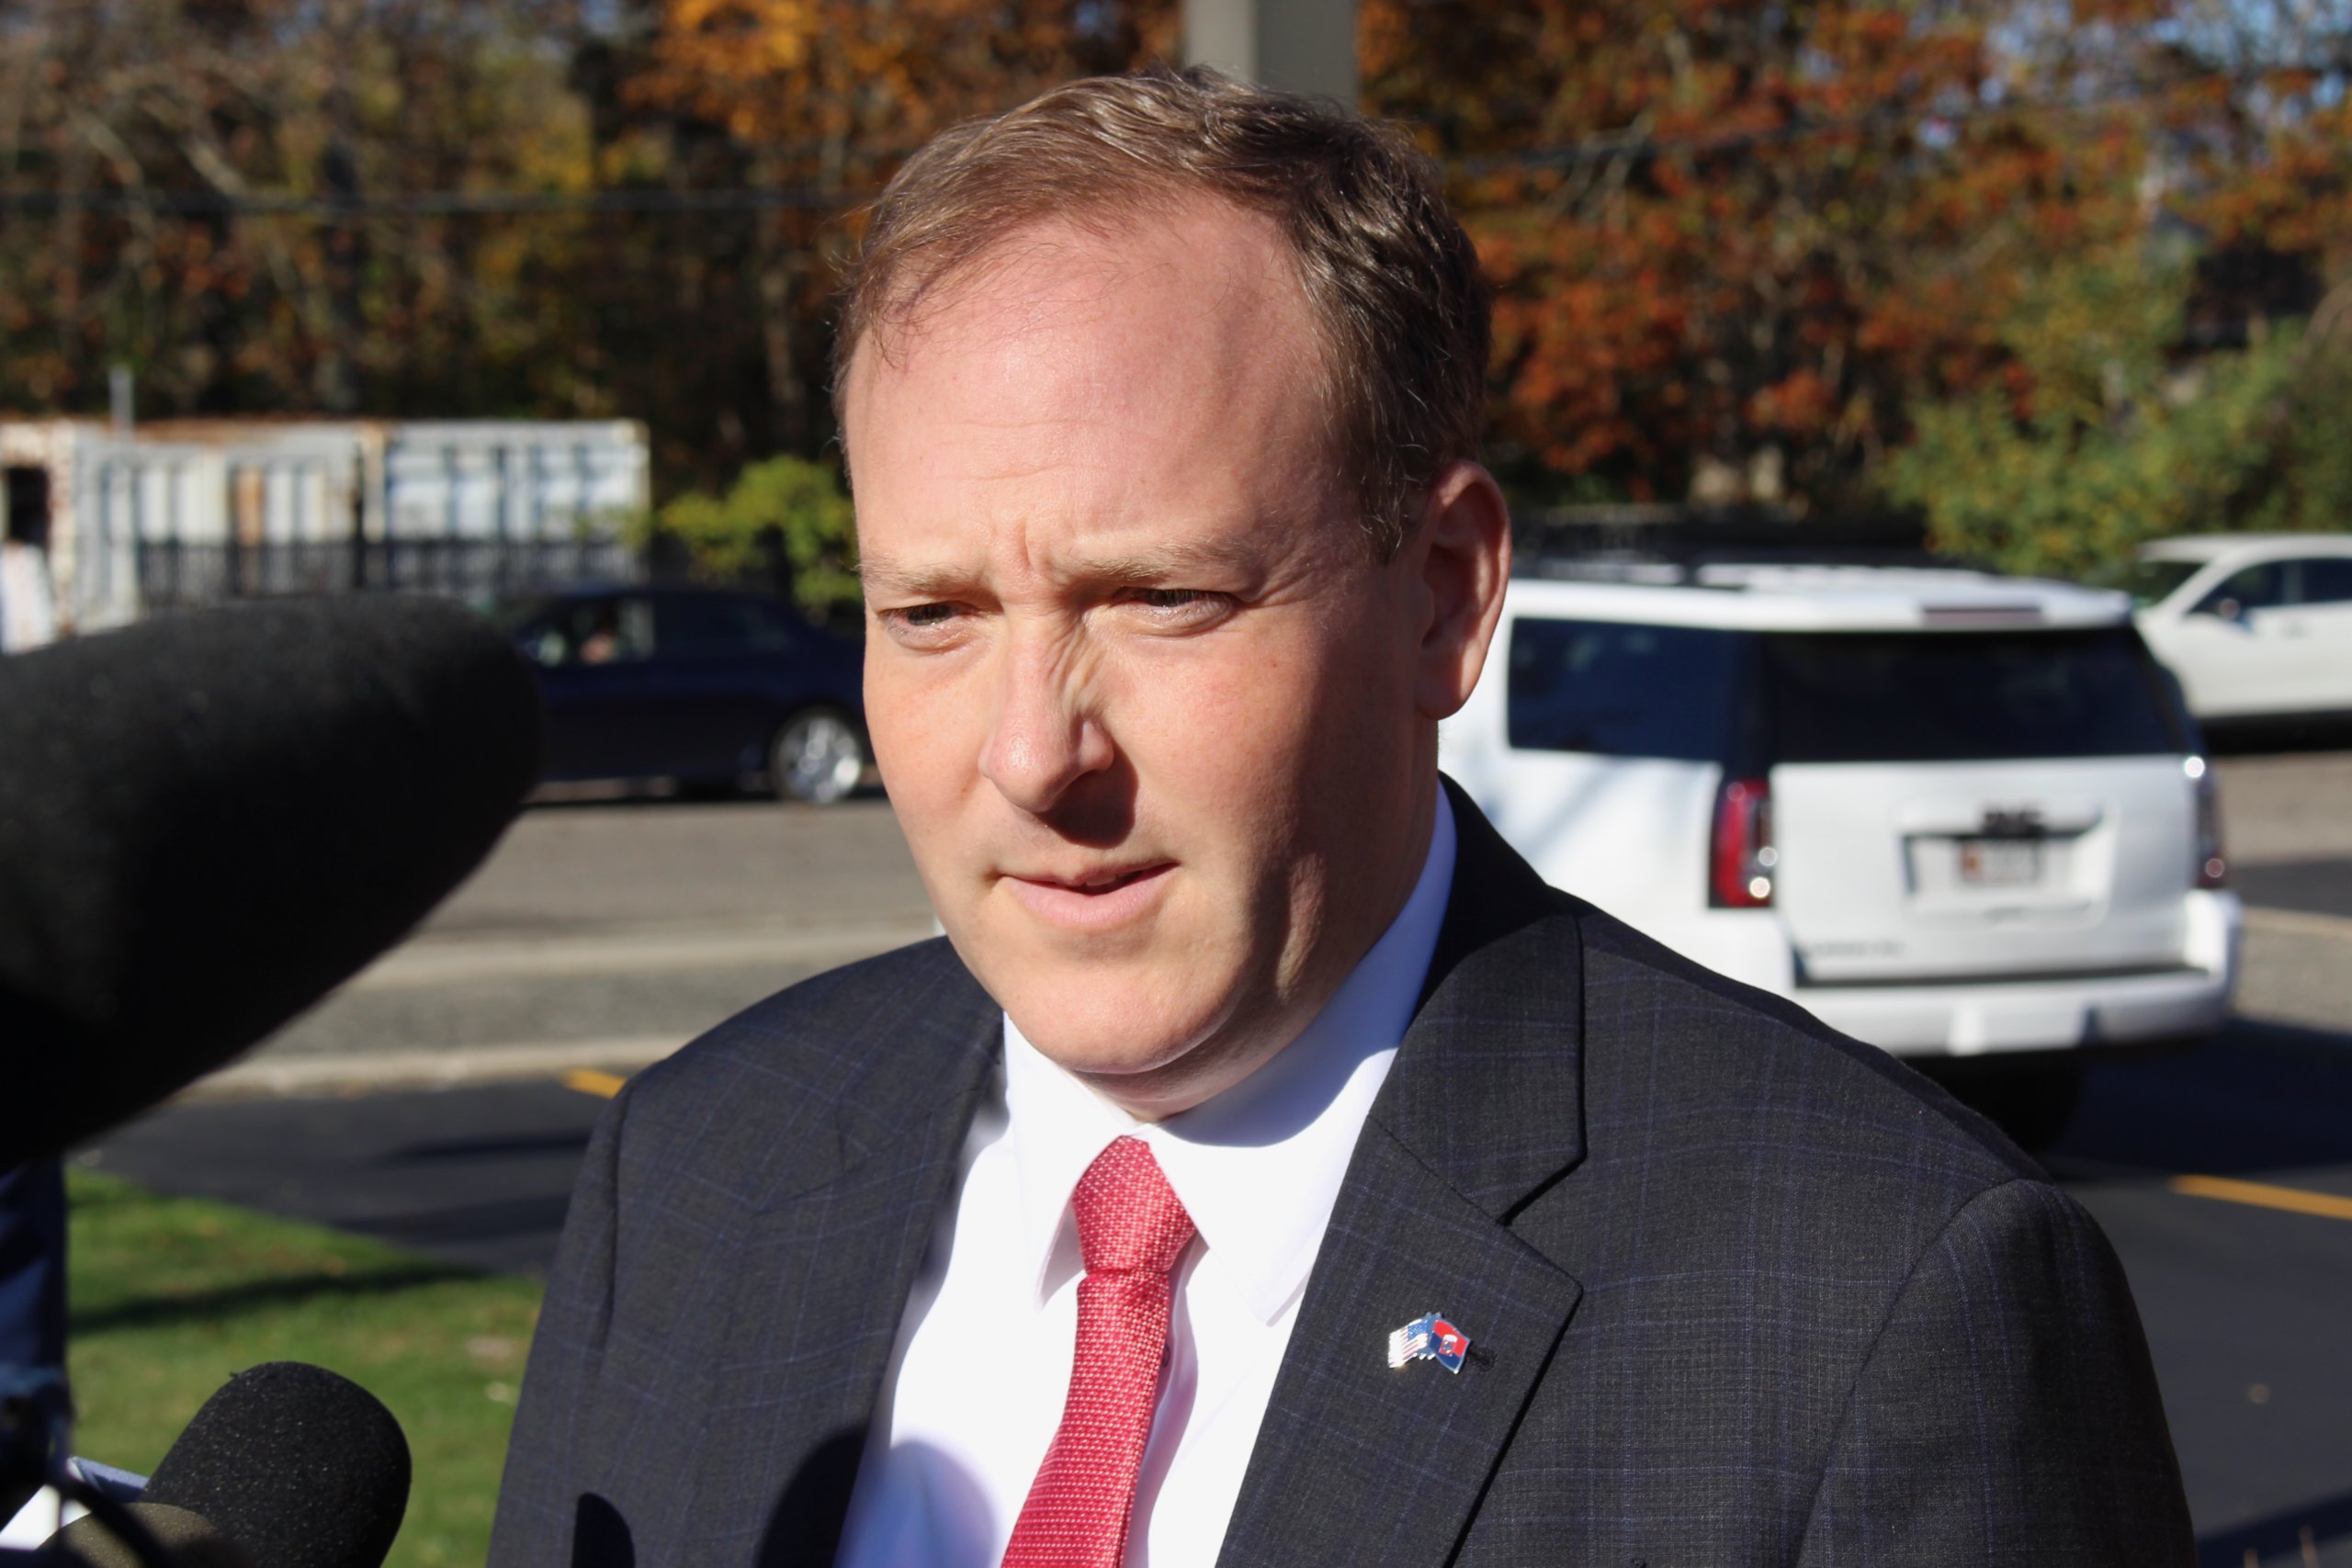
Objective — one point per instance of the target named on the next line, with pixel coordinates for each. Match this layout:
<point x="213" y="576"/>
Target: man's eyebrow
<point x="1163" y="562"/>
<point x="881" y="574"/>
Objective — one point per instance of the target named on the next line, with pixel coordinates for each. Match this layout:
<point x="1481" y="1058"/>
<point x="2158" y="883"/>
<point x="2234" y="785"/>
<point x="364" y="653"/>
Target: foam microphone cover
<point x="209" y="820"/>
<point x="300" y="1467"/>
<point x="192" y="1540"/>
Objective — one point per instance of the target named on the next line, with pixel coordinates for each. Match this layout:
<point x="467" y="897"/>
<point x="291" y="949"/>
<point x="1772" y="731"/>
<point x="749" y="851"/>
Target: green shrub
<point x="2106" y="437"/>
<point x="791" y="506"/>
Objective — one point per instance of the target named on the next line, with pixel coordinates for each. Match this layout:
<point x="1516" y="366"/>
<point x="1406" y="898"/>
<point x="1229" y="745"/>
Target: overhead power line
<point x="1607" y="148"/>
<point x="434" y="203"/>
<point x="1943" y="120"/>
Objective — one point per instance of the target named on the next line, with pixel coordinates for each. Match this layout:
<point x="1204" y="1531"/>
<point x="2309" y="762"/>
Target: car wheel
<point x="818" y="757"/>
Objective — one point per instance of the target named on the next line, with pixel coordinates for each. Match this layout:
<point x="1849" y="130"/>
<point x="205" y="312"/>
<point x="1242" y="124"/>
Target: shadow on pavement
<point x="429" y="1230"/>
<point x="210" y="1306"/>
<point x="2294" y="733"/>
<point x="2284" y="1535"/>
<point x="475" y="1178"/>
<point x="2258" y="1097"/>
<point x="2319" y="887"/>
<point x="531" y="1146"/>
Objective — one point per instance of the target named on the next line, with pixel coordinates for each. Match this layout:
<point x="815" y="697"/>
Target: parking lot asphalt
<point x="601" y="934"/>
<point x="2223" y="1176"/>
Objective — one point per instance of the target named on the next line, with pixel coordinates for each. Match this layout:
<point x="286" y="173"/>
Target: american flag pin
<point x="1428" y="1338"/>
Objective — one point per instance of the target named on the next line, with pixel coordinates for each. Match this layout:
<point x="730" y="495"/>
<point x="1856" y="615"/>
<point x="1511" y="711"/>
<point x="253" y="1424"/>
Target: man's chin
<point x="1108" y="1026"/>
<point x="1106" y="1042"/>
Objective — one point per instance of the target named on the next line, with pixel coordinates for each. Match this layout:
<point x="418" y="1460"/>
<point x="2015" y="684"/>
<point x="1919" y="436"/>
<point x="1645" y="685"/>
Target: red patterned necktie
<point x="1131" y="1230"/>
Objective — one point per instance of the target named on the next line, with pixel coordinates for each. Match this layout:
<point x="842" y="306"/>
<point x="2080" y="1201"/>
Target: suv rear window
<point x="1749" y="699"/>
<point x="1622" y="689"/>
<point x="1962" y="696"/>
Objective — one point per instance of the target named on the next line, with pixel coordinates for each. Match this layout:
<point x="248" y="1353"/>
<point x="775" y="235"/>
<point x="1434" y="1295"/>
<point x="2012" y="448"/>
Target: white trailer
<point x="192" y="511"/>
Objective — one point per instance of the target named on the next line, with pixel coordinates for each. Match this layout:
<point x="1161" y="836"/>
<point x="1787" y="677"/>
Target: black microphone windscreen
<point x="209" y="820"/>
<point x="300" y="1467"/>
<point x="192" y="1541"/>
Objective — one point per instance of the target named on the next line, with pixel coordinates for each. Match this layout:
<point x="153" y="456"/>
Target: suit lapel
<point x="827" y="1264"/>
<point x="1358" y="1462"/>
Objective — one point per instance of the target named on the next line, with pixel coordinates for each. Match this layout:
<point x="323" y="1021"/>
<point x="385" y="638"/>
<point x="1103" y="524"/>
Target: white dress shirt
<point x="983" y="1363"/>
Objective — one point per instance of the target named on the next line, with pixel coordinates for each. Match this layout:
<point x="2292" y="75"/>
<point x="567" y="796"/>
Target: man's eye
<point x="922" y="625"/>
<point x="1180" y="608"/>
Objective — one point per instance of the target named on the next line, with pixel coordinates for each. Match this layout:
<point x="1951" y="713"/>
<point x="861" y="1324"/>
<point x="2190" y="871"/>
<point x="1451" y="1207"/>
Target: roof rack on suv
<point x="1720" y="568"/>
<point x="1668" y="546"/>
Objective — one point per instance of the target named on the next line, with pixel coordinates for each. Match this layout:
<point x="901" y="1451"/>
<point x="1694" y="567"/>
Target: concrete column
<point x="1300" y="46"/>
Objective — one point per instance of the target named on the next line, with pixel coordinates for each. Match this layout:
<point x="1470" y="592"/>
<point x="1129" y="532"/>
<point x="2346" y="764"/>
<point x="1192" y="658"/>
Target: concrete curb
<point x="271" y="1077"/>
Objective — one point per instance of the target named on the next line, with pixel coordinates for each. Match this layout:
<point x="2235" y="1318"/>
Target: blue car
<point x="706" y="687"/>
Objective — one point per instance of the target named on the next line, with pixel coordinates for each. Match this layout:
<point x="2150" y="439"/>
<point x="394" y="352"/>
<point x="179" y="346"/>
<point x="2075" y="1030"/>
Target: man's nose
<point x="1044" y="737"/>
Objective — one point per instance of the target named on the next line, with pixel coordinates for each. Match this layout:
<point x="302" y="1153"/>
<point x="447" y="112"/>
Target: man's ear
<point x="1460" y="554"/>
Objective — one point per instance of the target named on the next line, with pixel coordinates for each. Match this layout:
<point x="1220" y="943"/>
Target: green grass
<point x="171" y="1295"/>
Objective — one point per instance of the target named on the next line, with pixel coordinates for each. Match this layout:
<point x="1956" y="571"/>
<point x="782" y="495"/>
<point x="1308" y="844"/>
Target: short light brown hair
<point x="1392" y="280"/>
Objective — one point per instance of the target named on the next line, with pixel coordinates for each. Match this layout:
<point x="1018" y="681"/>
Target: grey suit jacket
<point x="1740" y="1291"/>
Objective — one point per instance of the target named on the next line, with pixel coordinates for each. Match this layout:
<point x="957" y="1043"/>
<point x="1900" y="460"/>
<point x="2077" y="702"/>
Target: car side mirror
<point x="2224" y="610"/>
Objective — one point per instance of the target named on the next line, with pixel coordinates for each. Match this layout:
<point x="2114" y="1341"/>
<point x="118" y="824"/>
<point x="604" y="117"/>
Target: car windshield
<point x="1964" y="696"/>
<point x="2150" y="580"/>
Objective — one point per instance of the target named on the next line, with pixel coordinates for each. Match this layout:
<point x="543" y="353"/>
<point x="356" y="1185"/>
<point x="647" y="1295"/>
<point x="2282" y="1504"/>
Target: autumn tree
<point x="1738" y="245"/>
<point x="1733" y="240"/>
<point x="806" y="108"/>
<point x="209" y="191"/>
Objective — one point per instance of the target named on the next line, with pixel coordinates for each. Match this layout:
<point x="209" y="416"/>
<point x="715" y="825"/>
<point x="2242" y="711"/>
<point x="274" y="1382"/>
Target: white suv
<point x="1950" y="814"/>
<point x="2256" y="626"/>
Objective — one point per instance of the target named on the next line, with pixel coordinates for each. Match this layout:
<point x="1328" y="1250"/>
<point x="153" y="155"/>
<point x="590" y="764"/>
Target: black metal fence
<point x="174" y="575"/>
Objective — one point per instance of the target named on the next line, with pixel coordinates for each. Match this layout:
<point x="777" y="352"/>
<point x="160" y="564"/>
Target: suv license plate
<point x="1999" y="863"/>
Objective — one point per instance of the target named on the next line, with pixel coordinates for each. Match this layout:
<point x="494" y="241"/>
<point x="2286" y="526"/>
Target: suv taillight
<point x="2211" y="864"/>
<point x="1740" y="860"/>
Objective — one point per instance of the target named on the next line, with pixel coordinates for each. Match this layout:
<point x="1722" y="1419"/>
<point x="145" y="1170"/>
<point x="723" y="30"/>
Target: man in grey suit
<point x="1267" y="1168"/>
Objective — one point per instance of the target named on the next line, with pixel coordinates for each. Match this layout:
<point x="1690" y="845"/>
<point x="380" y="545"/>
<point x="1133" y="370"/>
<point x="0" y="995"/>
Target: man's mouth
<point x="1094" y="900"/>
<point x="1107" y="879"/>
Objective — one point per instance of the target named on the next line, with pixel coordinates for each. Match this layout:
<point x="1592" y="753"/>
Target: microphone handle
<point x="119" y="1521"/>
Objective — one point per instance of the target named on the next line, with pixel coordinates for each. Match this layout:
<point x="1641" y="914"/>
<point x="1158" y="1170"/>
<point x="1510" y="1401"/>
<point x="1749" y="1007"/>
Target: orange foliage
<point x="1779" y="225"/>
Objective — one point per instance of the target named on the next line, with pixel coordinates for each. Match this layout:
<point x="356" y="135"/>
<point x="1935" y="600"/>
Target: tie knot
<point x="1129" y="1219"/>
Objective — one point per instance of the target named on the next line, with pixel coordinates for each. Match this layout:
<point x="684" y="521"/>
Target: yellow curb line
<point x="343" y="1073"/>
<point x="588" y="1080"/>
<point x="2262" y="1195"/>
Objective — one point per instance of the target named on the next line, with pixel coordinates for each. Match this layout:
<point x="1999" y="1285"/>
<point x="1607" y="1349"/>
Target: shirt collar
<point x="1259" y="1168"/>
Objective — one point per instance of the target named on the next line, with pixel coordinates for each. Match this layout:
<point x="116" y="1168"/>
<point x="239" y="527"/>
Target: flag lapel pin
<point x="1428" y="1338"/>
